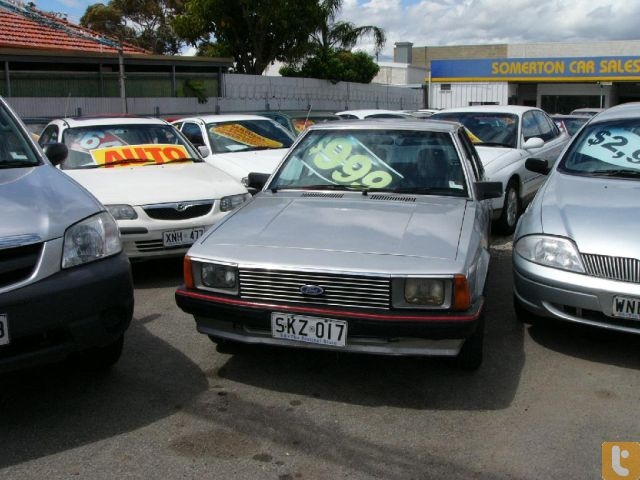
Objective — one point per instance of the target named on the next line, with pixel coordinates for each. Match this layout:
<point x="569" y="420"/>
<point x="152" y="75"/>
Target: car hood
<point x="41" y="201"/>
<point x="143" y="185"/>
<point x="596" y="213"/>
<point x="260" y="161"/>
<point x="356" y="233"/>
<point x="494" y="155"/>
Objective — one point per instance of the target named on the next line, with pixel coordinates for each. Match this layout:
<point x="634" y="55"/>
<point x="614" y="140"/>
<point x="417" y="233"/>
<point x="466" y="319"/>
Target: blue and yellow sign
<point x="574" y="69"/>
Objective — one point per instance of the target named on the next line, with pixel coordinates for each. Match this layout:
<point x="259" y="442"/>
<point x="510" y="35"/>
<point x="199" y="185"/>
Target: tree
<point x="255" y="32"/>
<point x="328" y="51"/>
<point x="145" y="23"/>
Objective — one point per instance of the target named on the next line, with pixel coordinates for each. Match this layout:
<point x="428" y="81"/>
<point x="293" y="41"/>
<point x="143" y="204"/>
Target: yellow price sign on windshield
<point x="242" y="134"/>
<point x="156" y="153"/>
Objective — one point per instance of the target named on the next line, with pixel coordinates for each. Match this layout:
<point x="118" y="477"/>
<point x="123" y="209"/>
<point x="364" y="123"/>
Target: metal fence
<point x="240" y="93"/>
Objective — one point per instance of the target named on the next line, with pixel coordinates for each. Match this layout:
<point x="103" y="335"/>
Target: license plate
<point x="4" y="329"/>
<point x="626" y="307"/>
<point x="322" y="331"/>
<point x="176" y="238"/>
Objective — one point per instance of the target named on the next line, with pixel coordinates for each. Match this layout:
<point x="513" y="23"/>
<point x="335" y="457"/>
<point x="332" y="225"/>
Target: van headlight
<point x="555" y="252"/>
<point x="91" y="239"/>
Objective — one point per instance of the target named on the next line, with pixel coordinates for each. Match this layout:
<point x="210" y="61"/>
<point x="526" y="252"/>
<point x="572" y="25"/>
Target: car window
<point x="49" y="135"/>
<point x="15" y="151"/>
<point x="609" y="149"/>
<point x="548" y="129"/>
<point x="247" y="135"/>
<point x="488" y="128"/>
<point x="125" y="145"/>
<point x="472" y="154"/>
<point x="416" y="161"/>
<point x="530" y="126"/>
<point x="193" y="133"/>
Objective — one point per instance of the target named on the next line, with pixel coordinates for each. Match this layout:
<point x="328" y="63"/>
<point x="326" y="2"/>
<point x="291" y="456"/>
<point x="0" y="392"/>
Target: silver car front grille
<point x="613" y="268"/>
<point x="353" y="291"/>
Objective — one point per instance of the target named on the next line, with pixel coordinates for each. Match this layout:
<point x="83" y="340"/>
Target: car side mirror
<point x="204" y="151"/>
<point x="533" y="142"/>
<point x="537" y="165"/>
<point x="487" y="190"/>
<point x="56" y="152"/>
<point x="257" y="181"/>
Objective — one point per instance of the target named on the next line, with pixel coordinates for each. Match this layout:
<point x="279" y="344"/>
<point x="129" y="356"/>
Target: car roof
<point x="223" y="117"/>
<point x="516" y="109"/>
<point x="299" y="113"/>
<point x="621" y="111"/>
<point x="73" y="122"/>
<point x="369" y="111"/>
<point x="426" y="125"/>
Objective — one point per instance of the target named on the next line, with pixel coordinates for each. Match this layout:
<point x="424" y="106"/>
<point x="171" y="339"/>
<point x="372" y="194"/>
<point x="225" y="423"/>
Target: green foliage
<point x="195" y="88"/>
<point x="255" y="32"/>
<point x="145" y="23"/>
<point x="335" y="66"/>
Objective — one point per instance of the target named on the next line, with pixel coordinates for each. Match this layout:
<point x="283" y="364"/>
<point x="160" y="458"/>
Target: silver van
<point x="66" y="290"/>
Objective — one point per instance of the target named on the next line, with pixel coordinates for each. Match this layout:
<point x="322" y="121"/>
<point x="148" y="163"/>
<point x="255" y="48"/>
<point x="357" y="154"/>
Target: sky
<point x="467" y="22"/>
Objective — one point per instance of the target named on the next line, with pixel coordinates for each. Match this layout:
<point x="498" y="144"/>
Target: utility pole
<point x="123" y="95"/>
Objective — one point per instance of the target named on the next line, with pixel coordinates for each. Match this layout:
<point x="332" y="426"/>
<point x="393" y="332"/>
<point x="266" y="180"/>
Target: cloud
<point x="480" y="22"/>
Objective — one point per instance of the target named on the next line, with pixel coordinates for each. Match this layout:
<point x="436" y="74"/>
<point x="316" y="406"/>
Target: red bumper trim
<point x="327" y="311"/>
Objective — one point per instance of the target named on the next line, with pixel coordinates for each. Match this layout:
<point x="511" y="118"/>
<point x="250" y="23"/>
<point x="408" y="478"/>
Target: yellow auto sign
<point x="157" y="153"/>
<point x="244" y="135"/>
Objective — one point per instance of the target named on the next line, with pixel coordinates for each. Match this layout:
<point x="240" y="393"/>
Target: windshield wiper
<point x="430" y="191"/>
<point x="620" y="172"/>
<point x="16" y="164"/>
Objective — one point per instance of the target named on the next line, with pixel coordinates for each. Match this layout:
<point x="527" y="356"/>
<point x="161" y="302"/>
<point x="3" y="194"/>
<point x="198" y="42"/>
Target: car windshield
<point x="486" y="128"/>
<point x="573" y="124"/>
<point x="610" y="149"/>
<point x="125" y="145"/>
<point x="300" y="123"/>
<point x="247" y="135"/>
<point x="402" y="161"/>
<point x="15" y="150"/>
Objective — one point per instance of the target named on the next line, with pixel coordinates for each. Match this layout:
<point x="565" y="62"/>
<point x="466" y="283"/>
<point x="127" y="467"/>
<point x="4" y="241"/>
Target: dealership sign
<point x="536" y="69"/>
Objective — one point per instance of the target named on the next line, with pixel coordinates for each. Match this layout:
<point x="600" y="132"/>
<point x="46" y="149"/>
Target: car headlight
<point x="555" y="252"/>
<point x="122" y="212"/>
<point x="91" y="239"/>
<point x="424" y="291"/>
<point x="233" y="201"/>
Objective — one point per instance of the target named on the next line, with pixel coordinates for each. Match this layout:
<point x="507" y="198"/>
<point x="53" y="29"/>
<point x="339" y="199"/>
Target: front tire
<point x="506" y="224"/>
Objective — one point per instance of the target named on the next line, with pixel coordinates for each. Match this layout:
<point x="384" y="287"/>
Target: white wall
<point x="462" y="94"/>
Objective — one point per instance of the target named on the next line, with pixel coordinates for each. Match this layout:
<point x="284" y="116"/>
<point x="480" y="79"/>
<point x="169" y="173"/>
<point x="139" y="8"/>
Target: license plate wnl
<point x="4" y="329"/>
<point x="626" y="307"/>
<point x="187" y="236"/>
<point x="321" y="331"/>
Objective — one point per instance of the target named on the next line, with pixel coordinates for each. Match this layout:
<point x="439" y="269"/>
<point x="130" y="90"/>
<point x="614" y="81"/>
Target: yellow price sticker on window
<point x="154" y="153"/>
<point x="242" y="134"/>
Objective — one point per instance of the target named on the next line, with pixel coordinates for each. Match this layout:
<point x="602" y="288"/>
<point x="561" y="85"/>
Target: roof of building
<point x="23" y="26"/>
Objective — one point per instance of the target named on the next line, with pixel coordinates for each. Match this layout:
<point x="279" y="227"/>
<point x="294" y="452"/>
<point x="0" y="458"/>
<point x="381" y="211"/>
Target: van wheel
<point x="472" y="351"/>
<point x="506" y="224"/>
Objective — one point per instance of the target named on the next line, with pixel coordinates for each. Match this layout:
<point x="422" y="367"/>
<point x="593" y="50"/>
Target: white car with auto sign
<point x="151" y="179"/>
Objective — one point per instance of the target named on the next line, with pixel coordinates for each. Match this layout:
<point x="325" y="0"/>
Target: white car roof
<point x="226" y="117"/>
<point x="515" y="109"/>
<point x="73" y="122"/>
<point x="371" y="111"/>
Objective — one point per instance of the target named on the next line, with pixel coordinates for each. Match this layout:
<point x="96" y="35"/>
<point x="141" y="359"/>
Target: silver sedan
<point x="371" y="237"/>
<point x="576" y="253"/>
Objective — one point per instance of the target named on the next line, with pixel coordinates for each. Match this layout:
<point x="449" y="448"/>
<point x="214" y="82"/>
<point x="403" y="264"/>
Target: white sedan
<point x="149" y="177"/>
<point x="237" y="143"/>
<point x="505" y="136"/>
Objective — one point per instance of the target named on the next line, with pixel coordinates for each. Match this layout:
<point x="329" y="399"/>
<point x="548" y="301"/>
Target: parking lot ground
<point x="540" y="406"/>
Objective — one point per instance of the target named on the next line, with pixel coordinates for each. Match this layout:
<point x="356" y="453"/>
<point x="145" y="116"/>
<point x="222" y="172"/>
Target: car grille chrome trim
<point x="613" y="268"/>
<point x="18" y="263"/>
<point x="354" y="291"/>
<point x="178" y="210"/>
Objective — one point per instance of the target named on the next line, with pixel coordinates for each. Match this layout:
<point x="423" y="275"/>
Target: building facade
<point x="557" y="77"/>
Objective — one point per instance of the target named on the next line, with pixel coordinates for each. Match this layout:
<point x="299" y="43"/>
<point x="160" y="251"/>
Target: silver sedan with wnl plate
<point x="576" y="253"/>
<point x="371" y="236"/>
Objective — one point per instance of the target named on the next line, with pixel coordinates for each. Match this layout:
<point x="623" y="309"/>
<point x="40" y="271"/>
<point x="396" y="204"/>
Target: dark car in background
<point x="570" y="123"/>
<point x="297" y="120"/>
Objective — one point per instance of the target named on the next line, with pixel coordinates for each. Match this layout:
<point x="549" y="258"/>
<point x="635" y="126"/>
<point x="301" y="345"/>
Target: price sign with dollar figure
<point x="616" y="146"/>
<point x="346" y="161"/>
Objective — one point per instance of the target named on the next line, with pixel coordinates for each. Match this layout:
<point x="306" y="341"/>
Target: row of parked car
<point x="369" y="235"/>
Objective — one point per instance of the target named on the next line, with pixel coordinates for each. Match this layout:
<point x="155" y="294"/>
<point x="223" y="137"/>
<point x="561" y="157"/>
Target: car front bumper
<point x="432" y="334"/>
<point x="579" y="298"/>
<point x="73" y="310"/>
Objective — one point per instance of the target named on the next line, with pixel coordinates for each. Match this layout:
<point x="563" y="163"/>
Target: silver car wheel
<point x="512" y="206"/>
